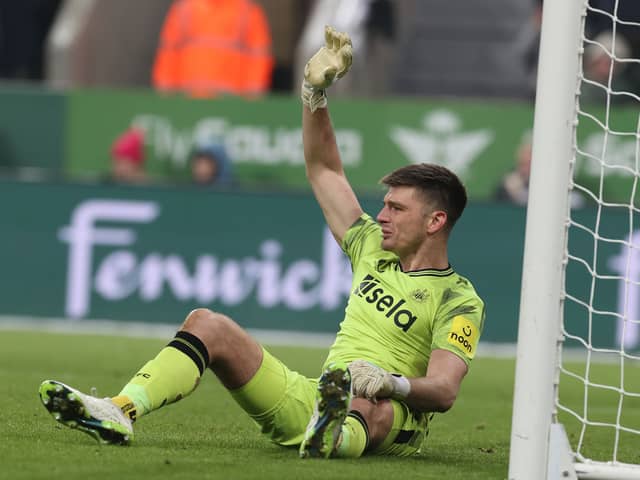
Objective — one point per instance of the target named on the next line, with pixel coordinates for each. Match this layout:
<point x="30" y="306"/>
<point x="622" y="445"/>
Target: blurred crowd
<point x="251" y="48"/>
<point x="202" y="48"/>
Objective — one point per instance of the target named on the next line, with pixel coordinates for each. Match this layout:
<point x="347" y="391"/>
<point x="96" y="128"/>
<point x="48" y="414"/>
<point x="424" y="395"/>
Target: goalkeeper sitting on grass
<point x="410" y="330"/>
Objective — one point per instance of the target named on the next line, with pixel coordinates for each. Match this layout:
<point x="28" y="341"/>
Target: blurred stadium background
<point x="432" y="82"/>
<point x="446" y="82"/>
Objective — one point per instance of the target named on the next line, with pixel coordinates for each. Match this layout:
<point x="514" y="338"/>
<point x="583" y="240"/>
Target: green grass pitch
<point x="207" y="435"/>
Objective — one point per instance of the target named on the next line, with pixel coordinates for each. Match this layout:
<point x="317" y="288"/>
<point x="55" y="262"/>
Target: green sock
<point x="355" y="436"/>
<point x="172" y="375"/>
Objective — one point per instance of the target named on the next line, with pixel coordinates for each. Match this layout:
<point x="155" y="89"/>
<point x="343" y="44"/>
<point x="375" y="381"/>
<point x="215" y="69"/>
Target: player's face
<point x="403" y="220"/>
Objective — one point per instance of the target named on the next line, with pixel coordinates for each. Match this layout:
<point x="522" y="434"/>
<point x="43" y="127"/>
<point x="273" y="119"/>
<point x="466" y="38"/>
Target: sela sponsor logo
<point x="121" y="271"/>
<point x="464" y="335"/>
<point x="370" y="290"/>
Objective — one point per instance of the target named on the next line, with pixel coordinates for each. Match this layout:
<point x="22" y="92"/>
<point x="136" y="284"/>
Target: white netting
<point x="599" y="375"/>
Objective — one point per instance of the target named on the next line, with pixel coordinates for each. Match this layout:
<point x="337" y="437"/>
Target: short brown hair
<point x="441" y="187"/>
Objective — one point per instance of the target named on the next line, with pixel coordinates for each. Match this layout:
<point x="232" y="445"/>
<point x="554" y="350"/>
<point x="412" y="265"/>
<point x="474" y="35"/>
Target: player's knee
<point x="203" y="317"/>
<point x="208" y="325"/>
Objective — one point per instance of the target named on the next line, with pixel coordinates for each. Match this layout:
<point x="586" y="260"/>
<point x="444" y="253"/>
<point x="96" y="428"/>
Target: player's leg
<point x="387" y="427"/>
<point x="367" y="426"/>
<point x="340" y="428"/>
<point x="279" y="400"/>
<point x="408" y="432"/>
<point x="206" y="339"/>
<point x="331" y="406"/>
<point x="345" y="429"/>
<point x="99" y="417"/>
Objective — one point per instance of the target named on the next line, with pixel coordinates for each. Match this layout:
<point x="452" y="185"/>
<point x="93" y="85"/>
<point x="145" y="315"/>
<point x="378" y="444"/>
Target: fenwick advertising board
<point x="268" y="260"/>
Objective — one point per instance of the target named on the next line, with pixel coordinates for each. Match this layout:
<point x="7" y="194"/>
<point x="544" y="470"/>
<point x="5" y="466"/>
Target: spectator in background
<point x="24" y="26"/>
<point x="602" y="72"/>
<point x="514" y="187"/>
<point x="598" y="25"/>
<point x="210" y="166"/>
<point x="214" y="47"/>
<point x="601" y="14"/>
<point x="127" y="158"/>
<point x="600" y="18"/>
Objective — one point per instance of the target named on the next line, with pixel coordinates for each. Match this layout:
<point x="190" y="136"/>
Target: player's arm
<point x="322" y="158"/>
<point x="435" y="392"/>
<point x="448" y="363"/>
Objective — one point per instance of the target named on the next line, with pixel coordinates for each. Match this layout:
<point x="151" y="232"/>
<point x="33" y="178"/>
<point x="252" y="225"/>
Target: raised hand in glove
<point x="329" y="63"/>
<point x="372" y="382"/>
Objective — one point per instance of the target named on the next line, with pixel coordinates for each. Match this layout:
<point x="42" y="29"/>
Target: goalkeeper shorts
<point x="281" y="402"/>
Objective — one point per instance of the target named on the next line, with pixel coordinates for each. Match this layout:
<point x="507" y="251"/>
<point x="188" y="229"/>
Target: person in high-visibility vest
<point x="214" y="47"/>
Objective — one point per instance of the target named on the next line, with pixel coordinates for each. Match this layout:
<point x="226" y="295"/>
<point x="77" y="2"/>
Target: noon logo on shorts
<point x="370" y="290"/>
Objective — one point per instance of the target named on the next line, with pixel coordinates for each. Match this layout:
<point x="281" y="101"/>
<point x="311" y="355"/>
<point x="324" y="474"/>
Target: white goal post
<point x="540" y="447"/>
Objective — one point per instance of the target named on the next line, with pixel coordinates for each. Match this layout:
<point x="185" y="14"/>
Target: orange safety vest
<point x="211" y="47"/>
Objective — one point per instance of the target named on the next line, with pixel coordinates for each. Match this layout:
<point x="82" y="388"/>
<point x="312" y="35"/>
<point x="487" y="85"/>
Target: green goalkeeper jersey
<point x="395" y="319"/>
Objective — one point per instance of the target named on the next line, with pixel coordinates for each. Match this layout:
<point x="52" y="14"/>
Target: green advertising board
<point x="267" y="260"/>
<point x="73" y="132"/>
<point x="32" y="127"/>
<point x="477" y="139"/>
<point x="264" y="138"/>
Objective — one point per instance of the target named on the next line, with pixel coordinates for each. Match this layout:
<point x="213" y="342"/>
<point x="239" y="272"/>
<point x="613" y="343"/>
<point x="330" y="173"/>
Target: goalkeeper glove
<point x="328" y="64"/>
<point x="372" y="382"/>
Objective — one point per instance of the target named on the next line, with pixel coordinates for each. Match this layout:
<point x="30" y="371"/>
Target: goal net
<point x="579" y="353"/>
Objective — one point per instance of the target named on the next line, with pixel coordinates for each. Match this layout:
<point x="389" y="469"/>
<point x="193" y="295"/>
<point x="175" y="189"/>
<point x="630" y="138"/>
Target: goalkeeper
<point x="410" y="330"/>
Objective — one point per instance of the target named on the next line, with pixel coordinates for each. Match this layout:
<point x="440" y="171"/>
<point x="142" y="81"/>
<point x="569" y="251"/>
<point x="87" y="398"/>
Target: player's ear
<point x="436" y="221"/>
